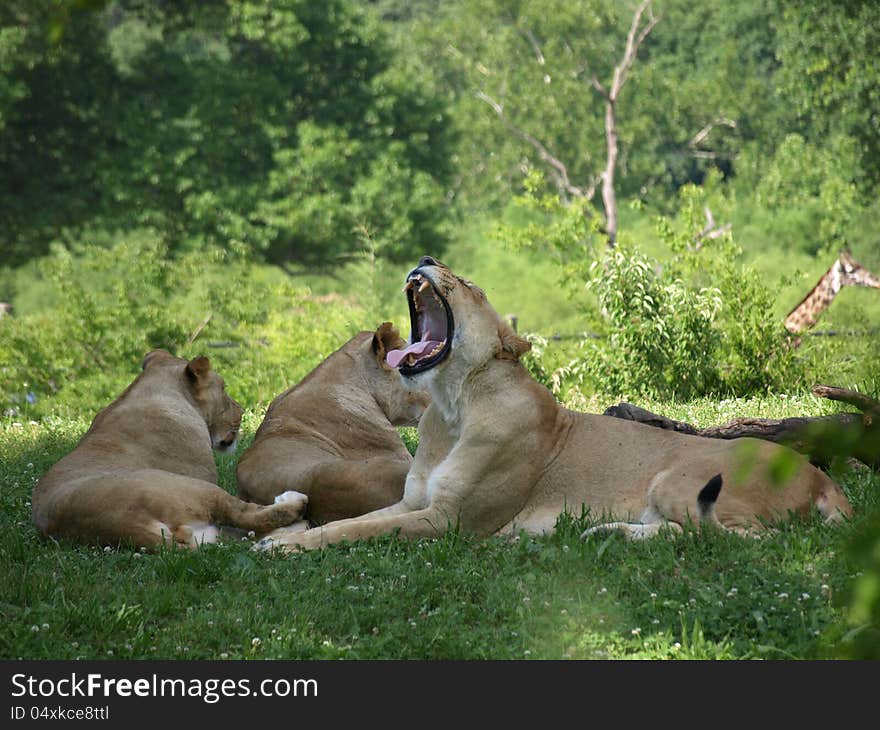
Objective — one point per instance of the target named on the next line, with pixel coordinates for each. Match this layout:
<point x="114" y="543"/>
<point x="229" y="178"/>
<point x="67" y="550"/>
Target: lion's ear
<point x="512" y="345"/>
<point x="384" y="339"/>
<point x="198" y="368"/>
<point x="155" y="356"/>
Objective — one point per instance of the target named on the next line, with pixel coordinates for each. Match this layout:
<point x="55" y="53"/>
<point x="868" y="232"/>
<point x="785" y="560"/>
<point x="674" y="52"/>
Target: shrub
<point x="660" y="333"/>
<point x="699" y="322"/>
<point x="110" y="305"/>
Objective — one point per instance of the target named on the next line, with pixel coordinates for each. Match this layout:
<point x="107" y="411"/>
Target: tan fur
<point x="497" y="454"/>
<point x="332" y="437"/>
<point x="144" y="472"/>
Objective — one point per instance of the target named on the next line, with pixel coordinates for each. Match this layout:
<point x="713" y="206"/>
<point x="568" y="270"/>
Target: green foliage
<point x="699" y="322"/>
<point x="111" y="309"/>
<point x="270" y="128"/>
<point x="829" y="72"/>
<point x="862" y="639"/>
<point x="535" y="59"/>
<point x="114" y="303"/>
<point x="661" y="334"/>
<point x="702" y="87"/>
<point x="570" y="233"/>
<point x="806" y="192"/>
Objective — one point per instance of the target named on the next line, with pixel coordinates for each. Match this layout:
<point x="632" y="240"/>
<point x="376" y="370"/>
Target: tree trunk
<point x="822" y="438"/>
<point x="609" y="198"/>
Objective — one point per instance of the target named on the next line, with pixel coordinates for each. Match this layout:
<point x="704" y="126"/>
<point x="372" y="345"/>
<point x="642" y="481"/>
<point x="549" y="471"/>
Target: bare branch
<point x="634" y="39"/>
<point x="198" y="330"/>
<point x="598" y="86"/>
<point x="710" y="231"/>
<point x="821" y="437"/>
<point x="558" y="168"/>
<point x="864" y="403"/>
<point x="700" y="136"/>
<point x="535" y="45"/>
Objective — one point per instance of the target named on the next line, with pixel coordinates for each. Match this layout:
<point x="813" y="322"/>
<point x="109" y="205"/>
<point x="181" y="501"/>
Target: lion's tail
<point x="707" y="498"/>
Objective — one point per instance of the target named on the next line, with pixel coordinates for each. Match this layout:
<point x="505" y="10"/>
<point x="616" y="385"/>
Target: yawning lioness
<point x="497" y="453"/>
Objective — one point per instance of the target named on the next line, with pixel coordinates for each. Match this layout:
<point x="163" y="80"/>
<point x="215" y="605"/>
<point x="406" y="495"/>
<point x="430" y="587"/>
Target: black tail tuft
<point x="709" y="494"/>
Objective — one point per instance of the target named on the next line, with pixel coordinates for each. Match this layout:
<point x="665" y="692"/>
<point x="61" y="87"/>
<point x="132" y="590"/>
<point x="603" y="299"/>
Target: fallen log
<point x="822" y="438"/>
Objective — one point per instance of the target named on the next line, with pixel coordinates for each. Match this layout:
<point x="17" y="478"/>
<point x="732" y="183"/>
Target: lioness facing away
<point x="332" y="436"/>
<point x="144" y="472"/>
<point x="498" y="454"/>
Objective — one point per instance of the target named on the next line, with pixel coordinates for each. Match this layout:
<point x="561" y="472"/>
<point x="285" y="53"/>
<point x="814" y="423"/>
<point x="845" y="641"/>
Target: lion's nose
<point x="427" y="261"/>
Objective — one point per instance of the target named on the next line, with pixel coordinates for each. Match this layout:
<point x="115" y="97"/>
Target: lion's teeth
<point x="435" y="350"/>
<point x="407" y="287"/>
<point x="425" y="285"/>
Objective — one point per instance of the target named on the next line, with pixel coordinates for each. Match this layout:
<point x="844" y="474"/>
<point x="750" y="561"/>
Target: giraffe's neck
<point x="846" y="271"/>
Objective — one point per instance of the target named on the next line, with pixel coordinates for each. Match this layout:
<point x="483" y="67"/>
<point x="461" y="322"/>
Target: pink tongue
<point x="395" y="357"/>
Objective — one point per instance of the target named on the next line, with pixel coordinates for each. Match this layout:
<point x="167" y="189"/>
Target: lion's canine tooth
<point x="407" y="287"/>
<point x="425" y="285"/>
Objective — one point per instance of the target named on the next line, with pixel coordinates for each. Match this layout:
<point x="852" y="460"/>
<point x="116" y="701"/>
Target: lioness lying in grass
<point x="144" y="473"/>
<point x="498" y="454"/>
<point x="332" y="436"/>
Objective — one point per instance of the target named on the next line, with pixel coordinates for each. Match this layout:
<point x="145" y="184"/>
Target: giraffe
<point x="846" y="271"/>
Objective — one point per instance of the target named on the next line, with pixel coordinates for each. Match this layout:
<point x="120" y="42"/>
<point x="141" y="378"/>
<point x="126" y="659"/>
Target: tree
<point x="634" y="39"/>
<point x="524" y="77"/>
<point x="830" y="74"/>
<point x="277" y="129"/>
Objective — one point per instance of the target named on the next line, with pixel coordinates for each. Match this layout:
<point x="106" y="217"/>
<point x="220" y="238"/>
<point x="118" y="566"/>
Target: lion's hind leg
<point x="669" y="516"/>
<point x="208" y="513"/>
<point x="286" y="509"/>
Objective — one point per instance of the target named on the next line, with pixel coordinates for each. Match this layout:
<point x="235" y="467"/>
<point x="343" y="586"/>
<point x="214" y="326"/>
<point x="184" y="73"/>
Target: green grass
<point x="710" y="596"/>
<point x="714" y="596"/>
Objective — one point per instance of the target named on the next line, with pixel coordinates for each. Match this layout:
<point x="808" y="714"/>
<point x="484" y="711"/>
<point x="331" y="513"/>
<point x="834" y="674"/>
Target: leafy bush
<point x="111" y="305"/>
<point x="661" y="334"/>
<point x="699" y="322"/>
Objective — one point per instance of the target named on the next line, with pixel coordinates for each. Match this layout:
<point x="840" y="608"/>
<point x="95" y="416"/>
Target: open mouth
<point x="431" y="328"/>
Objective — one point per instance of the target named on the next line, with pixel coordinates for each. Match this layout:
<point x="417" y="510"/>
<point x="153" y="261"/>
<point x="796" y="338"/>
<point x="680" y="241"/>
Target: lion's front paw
<point x="635" y="530"/>
<point x="272" y="542"/>
<point x="289" y="539"/>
